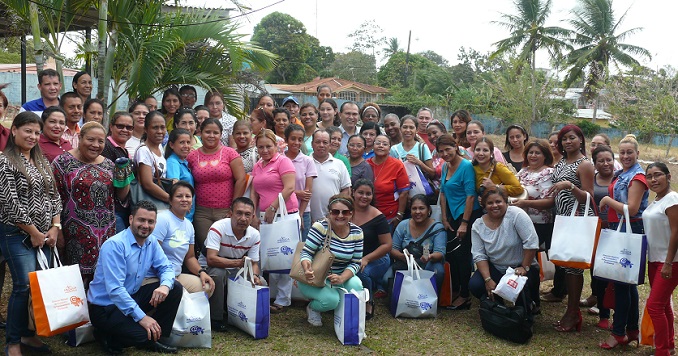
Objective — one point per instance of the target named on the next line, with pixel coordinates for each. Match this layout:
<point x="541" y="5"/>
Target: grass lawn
<point x="451" y="333"/>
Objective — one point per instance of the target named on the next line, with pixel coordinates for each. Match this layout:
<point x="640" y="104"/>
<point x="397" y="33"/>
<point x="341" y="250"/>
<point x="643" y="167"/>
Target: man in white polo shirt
<point x="333" y="177"/>
<point x="228" y="242"/>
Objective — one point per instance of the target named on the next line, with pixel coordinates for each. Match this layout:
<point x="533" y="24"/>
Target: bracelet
<point x="271" y="208"/>
<point x="668" y="263"/>
<point x="400" y="214"/>
<point x="201" y="270"/>
<point x="464" y="220"/>
<point x="488" y="279"/>
<point x="571" y="186"/>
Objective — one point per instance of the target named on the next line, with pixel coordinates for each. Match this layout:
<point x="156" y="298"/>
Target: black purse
<point x="509" y="323"/>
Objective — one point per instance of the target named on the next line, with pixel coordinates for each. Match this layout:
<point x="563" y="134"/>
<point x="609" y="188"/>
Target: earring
<point x="429" y="214"/>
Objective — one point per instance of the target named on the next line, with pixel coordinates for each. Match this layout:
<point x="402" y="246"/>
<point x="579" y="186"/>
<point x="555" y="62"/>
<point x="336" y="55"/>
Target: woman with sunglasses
<point x="423" y="237"/>
<point x="516" y="139"/>
<point x="346" y="245"/>
<point x="661" y="226"/>
<point x="631" y="189"/>
<point x="219" y="177"/>
<point x="119" y="132"/>
<point x="459" y="208"/>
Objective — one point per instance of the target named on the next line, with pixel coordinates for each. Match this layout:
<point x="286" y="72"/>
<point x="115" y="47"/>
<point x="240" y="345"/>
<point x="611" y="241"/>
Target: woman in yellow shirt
<point x="490" y="173"/>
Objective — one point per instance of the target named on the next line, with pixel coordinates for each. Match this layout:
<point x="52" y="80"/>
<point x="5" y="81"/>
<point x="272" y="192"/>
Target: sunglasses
<point x="336" y="212"/>
<point x="124" y="127"/>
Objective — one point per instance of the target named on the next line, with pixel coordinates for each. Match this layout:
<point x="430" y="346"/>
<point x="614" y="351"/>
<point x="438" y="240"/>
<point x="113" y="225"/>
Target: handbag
<point x="321" y="264"/>
<point x="279" y="240"/>
<point x="415" y="292"/>
<point x="248" y="304"/>
<point x="620" y="256"/>
<point x="575" y="238"/>
<point x="192" y="327"/>
<point x="349" y="316"/>
<point x="57" y="297"/>
<point x="416" y="249"/>
<point x="137" y="192"/>
<point x="509" y="323"/>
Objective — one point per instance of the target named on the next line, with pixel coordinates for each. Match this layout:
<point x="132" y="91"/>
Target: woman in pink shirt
<point x="219" y="177"/>
<point x="274" y="174"/>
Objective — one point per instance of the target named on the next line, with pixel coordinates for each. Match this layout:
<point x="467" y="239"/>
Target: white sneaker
<point x="314" y="317"/>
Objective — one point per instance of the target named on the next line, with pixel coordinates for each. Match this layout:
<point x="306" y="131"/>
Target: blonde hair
<point x="630" y="138"/>
<point x="91" y="126"/>
<point x="265" y="133"/>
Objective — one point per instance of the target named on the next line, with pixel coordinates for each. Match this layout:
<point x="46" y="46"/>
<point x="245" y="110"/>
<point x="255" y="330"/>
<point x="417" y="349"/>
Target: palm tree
<point x="529" y="33"/>
<point x="595" y="35"/>
<point x="393" y="46"/>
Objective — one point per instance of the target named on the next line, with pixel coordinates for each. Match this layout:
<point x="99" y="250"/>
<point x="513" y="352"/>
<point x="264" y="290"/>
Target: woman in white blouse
<point x="660" y="220"/>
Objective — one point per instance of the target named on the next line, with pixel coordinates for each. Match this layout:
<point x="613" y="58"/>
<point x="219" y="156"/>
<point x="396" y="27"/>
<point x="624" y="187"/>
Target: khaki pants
<point x="202" y="221"/>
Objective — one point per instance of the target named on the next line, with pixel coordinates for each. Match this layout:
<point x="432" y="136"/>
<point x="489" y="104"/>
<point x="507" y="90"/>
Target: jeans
<point x="659" y="306"/>
<point x="306" y="218"/>
<point x="20" y="260"/>
<point x="373" y="272"/>
<point x="121" y="221"/>
<point x="327" y="298"/>
<point x="626" y="313"/>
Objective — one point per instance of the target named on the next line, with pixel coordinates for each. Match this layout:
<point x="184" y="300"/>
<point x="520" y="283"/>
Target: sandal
<point x="370" y="315"/>
<point x="277" y="309"/>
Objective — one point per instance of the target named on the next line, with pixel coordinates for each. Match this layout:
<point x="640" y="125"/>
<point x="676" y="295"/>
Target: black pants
<point x="126" y="332"/>
<point x="460" y="260"/>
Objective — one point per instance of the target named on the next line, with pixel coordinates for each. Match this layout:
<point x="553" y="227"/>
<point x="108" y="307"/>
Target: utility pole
<point x="407" y="57"/>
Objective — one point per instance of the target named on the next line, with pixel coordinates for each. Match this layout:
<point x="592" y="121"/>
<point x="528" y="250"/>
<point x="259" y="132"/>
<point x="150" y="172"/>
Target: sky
<point x="445" y="26"/>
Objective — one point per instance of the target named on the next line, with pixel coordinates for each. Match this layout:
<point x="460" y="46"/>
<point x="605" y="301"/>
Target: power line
<point x="153" y="25"/>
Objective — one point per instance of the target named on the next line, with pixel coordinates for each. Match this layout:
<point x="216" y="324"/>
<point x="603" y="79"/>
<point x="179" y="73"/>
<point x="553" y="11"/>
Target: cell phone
<point x="27" y="242"/>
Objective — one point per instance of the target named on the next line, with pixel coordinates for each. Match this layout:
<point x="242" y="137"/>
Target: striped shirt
<point x="347" y="251"/>
<point x="221" y="238"/>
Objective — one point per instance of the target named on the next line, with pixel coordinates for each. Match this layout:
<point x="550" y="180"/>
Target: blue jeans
<point x="373" y="272"/>
<point x="121" y="221"/>
<point x="626" y="313"/>
<point x="20" y="260"/>
<point x="306" y="218"/>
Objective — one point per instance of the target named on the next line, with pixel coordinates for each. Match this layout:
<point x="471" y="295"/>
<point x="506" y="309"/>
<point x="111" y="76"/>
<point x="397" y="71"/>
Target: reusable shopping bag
<point x="620" y="256"/>
<point x="83" y="334"/>
<point x="414" y="292"/>
<point x="192" y="327"/>
<point x="418" y="182"/>
<point x="349" y="316"/>
<point x="445" y="293"/>
<point x="574" y="238"/>
<point x="279" y="241"/>
<point x="57" y="297"/>
<point x="547" y="269"/>
<point x="510" y="285"/>
<point x="248" y="304"/>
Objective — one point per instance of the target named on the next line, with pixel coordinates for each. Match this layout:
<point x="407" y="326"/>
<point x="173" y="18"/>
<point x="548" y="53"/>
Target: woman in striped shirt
<point x="346" y="244"/>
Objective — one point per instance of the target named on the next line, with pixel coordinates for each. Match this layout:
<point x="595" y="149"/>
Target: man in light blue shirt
<point x="118" y="302"/>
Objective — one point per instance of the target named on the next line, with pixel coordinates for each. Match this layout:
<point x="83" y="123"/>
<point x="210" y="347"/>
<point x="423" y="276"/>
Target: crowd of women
<point x="484" y="207"/>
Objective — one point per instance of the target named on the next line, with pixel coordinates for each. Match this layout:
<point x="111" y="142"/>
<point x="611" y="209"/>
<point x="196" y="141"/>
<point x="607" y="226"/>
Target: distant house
<point x="584" y="108"/>
<point x="342" y="89"/>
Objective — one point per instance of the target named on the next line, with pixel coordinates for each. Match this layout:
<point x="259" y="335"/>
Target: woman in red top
<point x="219" y="177"/>
<point x="391" y="183"/>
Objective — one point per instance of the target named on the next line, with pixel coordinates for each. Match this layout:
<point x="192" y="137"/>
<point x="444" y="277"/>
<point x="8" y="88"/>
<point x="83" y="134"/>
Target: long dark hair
<point x="173" y="137"/>
<point x="14" y="156"/>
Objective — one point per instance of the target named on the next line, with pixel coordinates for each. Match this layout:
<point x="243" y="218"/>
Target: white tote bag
<point x="57" y="296"/>
<point x="574" y="238"/>
<point x="510" y="285"/>
<point x="349" y="316"/>
<point x="248" y="304"/>
<point x="279" y="240"/>
<point x="414" y="292"/>
<point x="547" y="270"/>
<point x="620" y="256"/>
<point x="436" y="211"/>
<point x="192" y="327"/>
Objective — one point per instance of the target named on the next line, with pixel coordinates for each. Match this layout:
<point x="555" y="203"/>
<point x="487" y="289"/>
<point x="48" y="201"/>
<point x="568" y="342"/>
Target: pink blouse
<point x="267" y="182"/>
<point x="214" y="181"/>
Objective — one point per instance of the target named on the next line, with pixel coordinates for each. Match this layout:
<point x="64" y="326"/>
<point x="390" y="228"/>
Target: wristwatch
<point x="526" y="268"/>
<point x="57" y="225"/>
<point x="202" y="270"/>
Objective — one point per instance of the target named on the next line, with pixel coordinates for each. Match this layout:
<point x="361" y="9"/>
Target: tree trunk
<point x="102" y="85"/>
<point x="534" y="90"/>
<point x="37" y="37"/>
<point x="108" y="72"/>
<point x="595" y="109"/>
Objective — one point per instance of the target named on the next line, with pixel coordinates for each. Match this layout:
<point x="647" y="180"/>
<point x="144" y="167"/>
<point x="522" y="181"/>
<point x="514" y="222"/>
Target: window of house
<point x="348" y="95"/>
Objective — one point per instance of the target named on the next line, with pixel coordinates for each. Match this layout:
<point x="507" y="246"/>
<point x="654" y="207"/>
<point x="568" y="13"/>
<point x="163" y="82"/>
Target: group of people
<point x="347" y="174"/>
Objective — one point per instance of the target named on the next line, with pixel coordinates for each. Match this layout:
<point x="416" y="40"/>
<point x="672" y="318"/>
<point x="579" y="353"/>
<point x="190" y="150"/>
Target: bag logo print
<point x="70" y="289"/>
<point x="283" y="239"/>
<point x="625" y="263"/>
<point x="242" y="316"/>
<point x="425" y="305"/>
<point x="625" y="252"/>
<point x="512" y="283"/>
<point x="197" y="330"/>
<point x="286" y="250"/>
<point x="77" y="301"/>
<point x="242" y="305"/>
<point x="422" y="296"/>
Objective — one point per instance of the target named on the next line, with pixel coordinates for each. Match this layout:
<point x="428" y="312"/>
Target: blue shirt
<point x="37" y="106"/>
<point x="178" y="169"/>
<point x="461" y="184"/>
<point x="121" y="269"/>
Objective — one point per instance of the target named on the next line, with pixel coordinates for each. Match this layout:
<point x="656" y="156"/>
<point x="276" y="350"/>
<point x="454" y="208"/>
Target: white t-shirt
<point x="145" y="156"/>
<point x="332" y="178"/>
<point x="657" y="228"/>
<point x="131" y="145"/>
<point x="221" y="237"/>
<point x="175" y="236"/>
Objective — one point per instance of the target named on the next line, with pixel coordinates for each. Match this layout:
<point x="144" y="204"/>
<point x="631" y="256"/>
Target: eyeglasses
<point x="336" y="212"/>
<point x="188" y="96"/>
<point x="381" y="143"/>
<point x="655" y="176"/>
<point x="124" y="127"/>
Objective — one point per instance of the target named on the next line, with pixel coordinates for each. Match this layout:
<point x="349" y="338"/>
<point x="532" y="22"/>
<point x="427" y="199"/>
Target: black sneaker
<point x="219" y="326"/>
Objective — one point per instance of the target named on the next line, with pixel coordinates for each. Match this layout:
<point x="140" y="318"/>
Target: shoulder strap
<point x="421" y="151"/>
<point x="428" y="233"/>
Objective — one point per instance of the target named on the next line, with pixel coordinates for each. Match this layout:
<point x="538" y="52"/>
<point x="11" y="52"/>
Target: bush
<point x="590" y="129"/>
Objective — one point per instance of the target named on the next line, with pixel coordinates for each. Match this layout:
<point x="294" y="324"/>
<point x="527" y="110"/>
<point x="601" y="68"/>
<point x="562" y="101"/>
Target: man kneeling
<point x="228" y="242"/>
<point x="119" y="306"/>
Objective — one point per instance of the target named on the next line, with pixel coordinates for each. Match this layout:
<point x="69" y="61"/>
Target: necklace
<point x="381" y="168"/>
